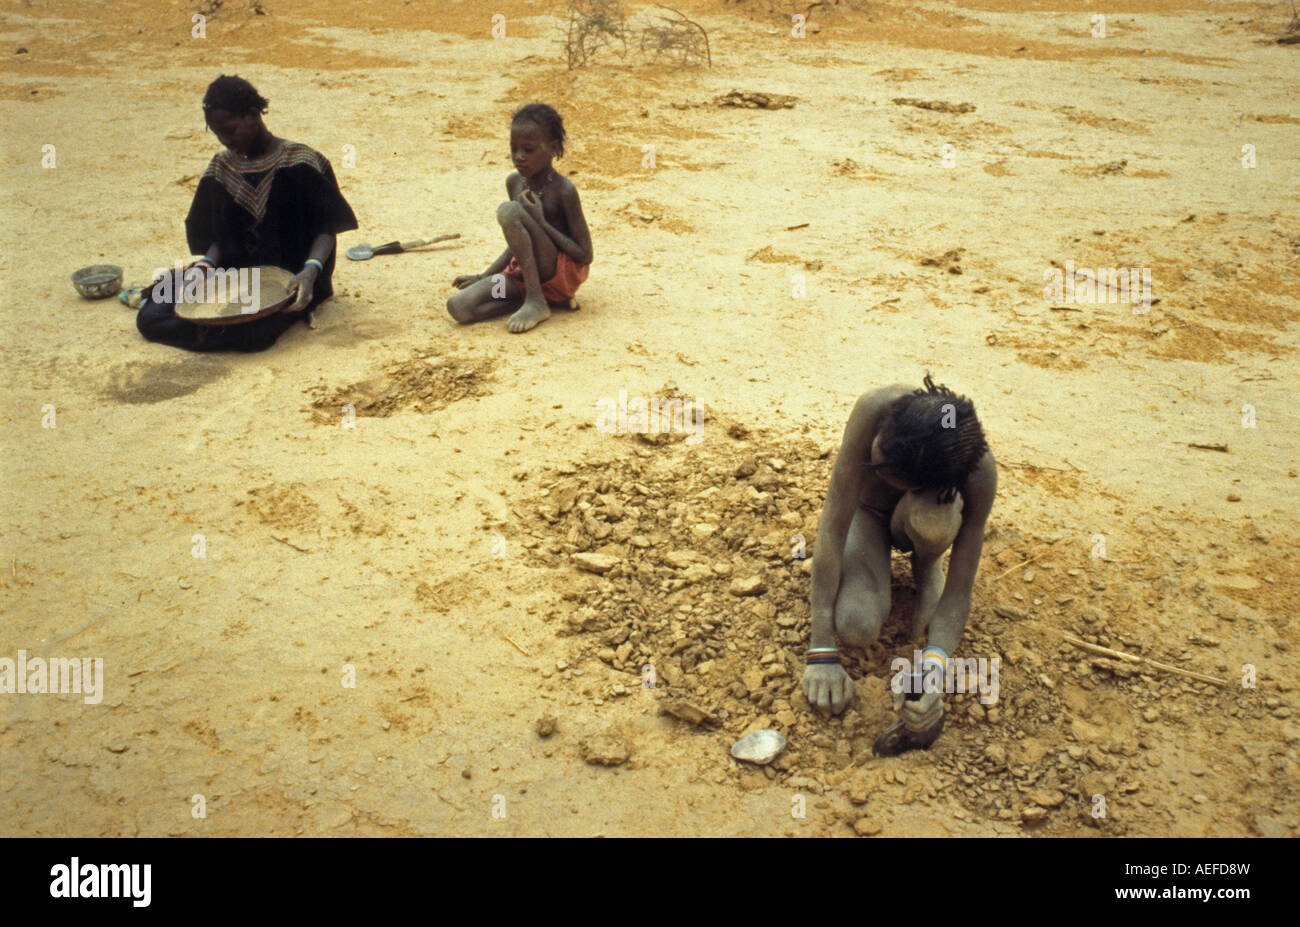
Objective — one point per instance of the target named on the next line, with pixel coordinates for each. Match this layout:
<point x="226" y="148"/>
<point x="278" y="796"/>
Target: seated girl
<point x="548" y="244"/>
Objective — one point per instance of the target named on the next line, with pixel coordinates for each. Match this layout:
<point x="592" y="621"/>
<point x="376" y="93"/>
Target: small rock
<point x="686" y="711"/>
<point x="752" y="585"/>
<point x="681" y="559"/>
<point x="546" y="725"/>
<point x="746" y="468"/>
<point x="760" y="747"/>
<point x="1233" y="497"/>
<point x="865" y="827"/>
<point x="1271" y="827"/>
<point x="605" y="750"/>
<point x="118" y="747"/>
<point x="466" y="774"/>
<point x="1031" y="817"/>
<point x="1151" y="715"/>
<point x="1047" y="798"/>
<point x="996" y="754"/>
<point x="696" y="573"/>
<point x="595" y="563"/>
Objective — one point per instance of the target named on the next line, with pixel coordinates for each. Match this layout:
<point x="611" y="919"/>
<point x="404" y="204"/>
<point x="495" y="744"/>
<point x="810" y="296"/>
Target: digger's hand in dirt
<point x="827" y="687"/>
<point x="921" y="715"/>
<point x="304" y="283"/>
<point x="465" y="280"/>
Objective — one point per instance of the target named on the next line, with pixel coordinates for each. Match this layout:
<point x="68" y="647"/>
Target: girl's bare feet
<point x="532" y="313"/>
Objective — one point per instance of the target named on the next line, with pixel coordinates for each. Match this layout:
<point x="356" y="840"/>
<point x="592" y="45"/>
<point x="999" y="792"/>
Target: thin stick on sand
<point x="1133" y="658"/>
<point x="516" y="646"/>
<point x="1022" y="563"/>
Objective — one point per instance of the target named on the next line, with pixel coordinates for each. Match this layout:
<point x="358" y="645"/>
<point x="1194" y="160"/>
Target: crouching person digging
<point x="914" y="473"/>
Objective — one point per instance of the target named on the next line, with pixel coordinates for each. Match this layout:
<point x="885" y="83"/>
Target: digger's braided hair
<point x="932" y="439"/>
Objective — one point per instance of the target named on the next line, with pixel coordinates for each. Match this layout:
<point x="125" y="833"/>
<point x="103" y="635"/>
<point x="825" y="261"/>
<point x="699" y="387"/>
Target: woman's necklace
<point x="272" y="148"/>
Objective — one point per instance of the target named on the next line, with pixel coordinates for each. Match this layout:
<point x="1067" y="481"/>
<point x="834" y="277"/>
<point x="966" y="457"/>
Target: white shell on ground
<point x="760" y="747"/>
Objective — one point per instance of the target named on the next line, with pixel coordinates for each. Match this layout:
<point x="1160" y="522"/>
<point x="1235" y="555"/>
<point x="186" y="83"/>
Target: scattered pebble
<point x="865" y="827"/>
<point x="595" y="563"/>
<point x="1047" y="798"/>
<point x="1033" y="816"/>
<point x="686" y="711"/>
<point x="546" y="725"/>
<point x="606" y="749"/>
<point x="760" y="747"/>
<point x="751" y="585"/>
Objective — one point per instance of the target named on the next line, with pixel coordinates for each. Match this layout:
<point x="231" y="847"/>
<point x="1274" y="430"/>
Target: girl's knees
<point x="510" y="212"/>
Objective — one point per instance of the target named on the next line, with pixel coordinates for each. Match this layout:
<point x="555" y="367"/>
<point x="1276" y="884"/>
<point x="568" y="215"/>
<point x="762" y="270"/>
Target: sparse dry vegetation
<point x="599" y="24"/>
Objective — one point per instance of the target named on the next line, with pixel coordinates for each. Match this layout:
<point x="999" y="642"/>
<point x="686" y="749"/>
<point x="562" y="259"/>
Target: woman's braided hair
<point x="235" y="95"/>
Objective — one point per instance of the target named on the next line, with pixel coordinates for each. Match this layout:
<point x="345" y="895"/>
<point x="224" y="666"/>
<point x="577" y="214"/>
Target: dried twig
<point x="1024" y="465"/>
<point x="1023" y="563"/>
<point x="516" y="646"/>
<point x="1211" y="447"/>
<point x="287" y="543"/>
<point x="1145" y="661"/>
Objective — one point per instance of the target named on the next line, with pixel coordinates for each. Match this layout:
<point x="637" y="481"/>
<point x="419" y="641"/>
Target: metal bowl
<point x="98" y="281"/>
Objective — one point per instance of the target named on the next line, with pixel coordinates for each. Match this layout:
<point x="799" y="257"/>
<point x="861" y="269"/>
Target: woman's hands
<point x="304" y="283"/>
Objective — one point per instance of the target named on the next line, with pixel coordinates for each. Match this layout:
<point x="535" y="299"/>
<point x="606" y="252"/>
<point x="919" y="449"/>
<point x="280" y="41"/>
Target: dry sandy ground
<point x="431" y="546"/>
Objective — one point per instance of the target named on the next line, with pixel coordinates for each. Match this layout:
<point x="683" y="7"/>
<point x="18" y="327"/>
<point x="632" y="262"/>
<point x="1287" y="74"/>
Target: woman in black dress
<point x="262" y="201"/>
